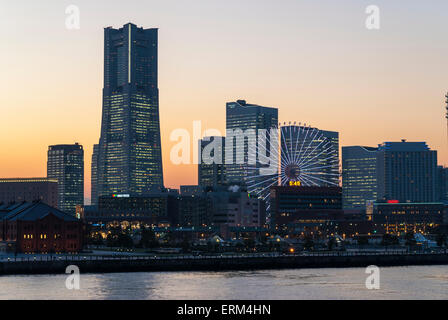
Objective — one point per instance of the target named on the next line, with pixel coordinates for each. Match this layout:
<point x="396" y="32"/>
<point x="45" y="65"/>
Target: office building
<point x="212" y="170"/>
<point x="150" y="209"/>
<point x="66" y="165"/>
<point x="193" y="190"/>
<point x="94" y="176"/>
<point x="442" y="183"/>
<point x="359" y="176"/>
<point x="236" y="209"/>
<point x="305" y="207"/>
<point x="194" y="210"/>
<point x="400" y="218"/>
<point x="130" y="156"/>
<point x="407" y="172"/>
<point x="243" y="118"/>
<point x="28" y="190"/>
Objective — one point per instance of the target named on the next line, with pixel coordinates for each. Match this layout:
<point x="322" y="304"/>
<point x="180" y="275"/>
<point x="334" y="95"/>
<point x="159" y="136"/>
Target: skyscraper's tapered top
<point x="130" y="56"/>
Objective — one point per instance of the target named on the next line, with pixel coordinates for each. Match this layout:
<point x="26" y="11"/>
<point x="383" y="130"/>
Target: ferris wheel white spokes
<point x="302" y="155"/>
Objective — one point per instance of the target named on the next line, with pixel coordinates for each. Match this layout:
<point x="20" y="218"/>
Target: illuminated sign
<point x="393" y="201"/>
<point x="120" y="195"/>
<point x="295" y="183"/>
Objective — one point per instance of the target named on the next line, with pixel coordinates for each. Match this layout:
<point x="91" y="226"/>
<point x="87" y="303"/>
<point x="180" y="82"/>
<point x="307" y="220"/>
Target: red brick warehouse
<point x="38" y="228"/>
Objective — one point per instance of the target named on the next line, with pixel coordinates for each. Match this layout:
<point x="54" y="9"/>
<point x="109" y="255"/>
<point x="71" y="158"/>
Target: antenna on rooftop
<point x="446" y="116"/>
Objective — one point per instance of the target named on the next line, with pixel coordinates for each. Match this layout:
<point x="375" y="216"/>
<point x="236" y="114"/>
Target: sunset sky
<point x="314" y="60"/>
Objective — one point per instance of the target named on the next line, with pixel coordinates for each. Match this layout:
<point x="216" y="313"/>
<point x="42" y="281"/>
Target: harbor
<point x="46" y="264"/>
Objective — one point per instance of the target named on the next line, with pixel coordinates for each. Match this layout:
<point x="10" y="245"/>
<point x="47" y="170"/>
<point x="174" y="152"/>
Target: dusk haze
<point x="210" y="159"/>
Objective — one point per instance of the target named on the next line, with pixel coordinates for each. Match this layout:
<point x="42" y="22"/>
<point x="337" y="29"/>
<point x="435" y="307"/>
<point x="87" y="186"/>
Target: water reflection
<point x="422" y="282"/>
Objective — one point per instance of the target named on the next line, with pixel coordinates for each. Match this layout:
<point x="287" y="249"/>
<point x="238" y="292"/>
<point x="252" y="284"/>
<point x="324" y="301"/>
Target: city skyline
<point x="391" y="83"/>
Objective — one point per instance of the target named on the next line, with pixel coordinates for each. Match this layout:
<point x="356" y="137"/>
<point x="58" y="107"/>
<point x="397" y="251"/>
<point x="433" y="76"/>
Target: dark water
<point x="421" y="282"/>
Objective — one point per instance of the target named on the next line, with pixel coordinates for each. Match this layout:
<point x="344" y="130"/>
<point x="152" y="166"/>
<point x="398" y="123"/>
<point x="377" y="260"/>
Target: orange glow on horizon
<point x="315" y="66"/>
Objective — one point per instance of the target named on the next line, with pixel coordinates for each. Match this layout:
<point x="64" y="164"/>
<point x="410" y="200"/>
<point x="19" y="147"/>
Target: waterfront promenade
<point x="55" y="264"/>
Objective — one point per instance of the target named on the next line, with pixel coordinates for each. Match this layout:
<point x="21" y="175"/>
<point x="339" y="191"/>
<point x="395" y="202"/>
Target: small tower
<point x="446" y="107"/>
<point x="446" y="96"/>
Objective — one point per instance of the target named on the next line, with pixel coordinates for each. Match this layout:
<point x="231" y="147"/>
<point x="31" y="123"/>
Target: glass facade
<point x="129" y="154"/>
<point x="359" y="176"/>
<point x="29" y="189"/>
<point x="94" y="176"/>
<point x="150" y="209"/>
<point x="66" y="165"/>
<point x="442" y="183"/>
<point x="212" y="174"/>
<point x="243" y="116"/>
<point x="407" y="171"/>
<point x="305" y="205"/>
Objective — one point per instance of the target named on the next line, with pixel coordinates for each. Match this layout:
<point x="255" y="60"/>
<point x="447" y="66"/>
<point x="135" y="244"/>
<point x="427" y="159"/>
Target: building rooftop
<point x="349" y="148"/>
<point x="406" y="203"/>
<point x="244" y="104"/>
<point x="67" y="147"/>
<point x="403" y="146"/>
<point x="31" y="211"/>
<point x="26" y="180"/>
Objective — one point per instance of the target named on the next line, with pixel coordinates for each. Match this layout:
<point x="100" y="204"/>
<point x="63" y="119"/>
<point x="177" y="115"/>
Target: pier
<point x="109" y="264"/>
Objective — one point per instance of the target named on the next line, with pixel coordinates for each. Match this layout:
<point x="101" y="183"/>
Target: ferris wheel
<point x="302" y="156"/>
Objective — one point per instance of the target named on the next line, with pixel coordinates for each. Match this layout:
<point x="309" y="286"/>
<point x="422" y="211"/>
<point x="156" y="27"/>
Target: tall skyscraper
<point x="66" y="164"/>
<point x="407" y="172"/>
<point x="359" y="176"/>
<point x="212" y="174"/>
<point x="243" y="116"/>
<point x="314" y="153"/>
<point x="442" y="183"/>
<point x="94" y="176"/>
<point x="130" y="156"/>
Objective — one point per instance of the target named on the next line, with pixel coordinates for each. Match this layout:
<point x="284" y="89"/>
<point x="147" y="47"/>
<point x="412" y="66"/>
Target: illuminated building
<point x="194" y="210"/>
<point x="212" y="174"/>
<point x="359" y="176"/>
<point x="29" y="189"/>
<point x="407" y="171"/>
<point x="129" y="158"/>
<point x="442" y="183"/>
<point x="66" y="165"/>
<point x="192" y="190"/>
<point x="305" y="207"/>
<point x="402" y="171"/>
<point x="151" y="209"/>
<point x="399" y="218"/>
<point x="243" y="116"/>
<point x="94" y="176"/>
<point x="236" y="209"/>
<point x="188" y="209"/>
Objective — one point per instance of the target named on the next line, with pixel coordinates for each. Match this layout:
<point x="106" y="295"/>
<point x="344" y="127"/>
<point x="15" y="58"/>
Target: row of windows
<point x="43" y="236"/>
